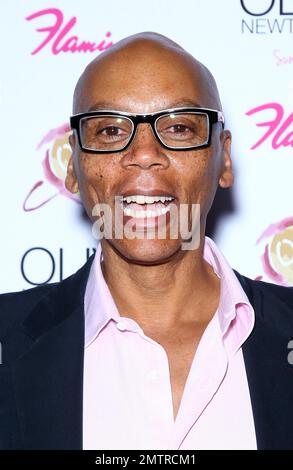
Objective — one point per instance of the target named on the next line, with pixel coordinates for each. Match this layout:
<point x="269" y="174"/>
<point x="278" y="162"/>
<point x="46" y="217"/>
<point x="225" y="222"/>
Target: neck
<point x="183" y="289"/>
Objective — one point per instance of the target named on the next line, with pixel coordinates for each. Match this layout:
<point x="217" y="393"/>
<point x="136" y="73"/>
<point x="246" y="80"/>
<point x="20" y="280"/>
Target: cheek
<point x="207" y="181"/>
<point x="95" y="176"/>
<point x="90" y="167"/>
<point x="195" y="174"/>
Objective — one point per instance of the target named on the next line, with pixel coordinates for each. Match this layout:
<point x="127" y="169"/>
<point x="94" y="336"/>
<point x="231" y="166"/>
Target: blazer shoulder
<point x="16" y="306"/>
<point x="266" y="289"/>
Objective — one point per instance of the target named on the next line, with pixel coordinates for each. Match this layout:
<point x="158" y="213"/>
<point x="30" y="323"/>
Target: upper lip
<point x="146" y="192"/>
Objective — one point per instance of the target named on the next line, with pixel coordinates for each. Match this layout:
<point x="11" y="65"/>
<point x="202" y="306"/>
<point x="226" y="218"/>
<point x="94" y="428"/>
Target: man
<point x="149" y="345"/>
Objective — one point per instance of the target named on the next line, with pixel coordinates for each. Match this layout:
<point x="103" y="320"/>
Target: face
<point x="148" y="81"/>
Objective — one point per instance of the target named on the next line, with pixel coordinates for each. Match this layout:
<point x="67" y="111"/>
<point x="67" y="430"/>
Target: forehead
<point x="143" y="82"/>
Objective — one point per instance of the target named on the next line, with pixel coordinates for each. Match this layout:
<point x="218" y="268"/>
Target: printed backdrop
<point x="46" y="44"/>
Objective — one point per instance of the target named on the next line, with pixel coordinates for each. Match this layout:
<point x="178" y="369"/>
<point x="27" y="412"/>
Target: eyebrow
<point x="184" y="102"/>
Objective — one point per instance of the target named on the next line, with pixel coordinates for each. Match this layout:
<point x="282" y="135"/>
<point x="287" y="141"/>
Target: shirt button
<point x="121" y="326"/>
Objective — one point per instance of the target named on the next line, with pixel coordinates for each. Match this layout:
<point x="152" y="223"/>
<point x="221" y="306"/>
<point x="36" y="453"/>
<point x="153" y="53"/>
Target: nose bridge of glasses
<point x="144" y="122"/>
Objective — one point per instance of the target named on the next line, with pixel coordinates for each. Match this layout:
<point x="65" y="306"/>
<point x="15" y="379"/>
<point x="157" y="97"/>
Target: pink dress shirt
<point x="127" y="389"/>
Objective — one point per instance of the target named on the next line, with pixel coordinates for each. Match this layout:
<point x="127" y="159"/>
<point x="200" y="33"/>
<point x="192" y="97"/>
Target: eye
<point x="111" y="131"/>
<point x="108" y="129"/>
<point x="186" y="129"/>
<point x="178" y="128"/>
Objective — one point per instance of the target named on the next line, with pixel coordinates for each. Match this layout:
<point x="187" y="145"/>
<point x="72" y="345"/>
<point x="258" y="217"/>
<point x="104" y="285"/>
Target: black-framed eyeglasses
<point x="109" y="131"/>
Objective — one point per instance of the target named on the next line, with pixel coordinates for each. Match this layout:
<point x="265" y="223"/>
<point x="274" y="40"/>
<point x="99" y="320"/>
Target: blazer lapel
<point x="47" y="374"/>
<point x="270" y="376"/>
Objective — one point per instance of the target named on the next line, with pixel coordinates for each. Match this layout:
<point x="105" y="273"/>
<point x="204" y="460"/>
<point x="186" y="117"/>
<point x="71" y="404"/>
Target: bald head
<point x="138" y="59"/>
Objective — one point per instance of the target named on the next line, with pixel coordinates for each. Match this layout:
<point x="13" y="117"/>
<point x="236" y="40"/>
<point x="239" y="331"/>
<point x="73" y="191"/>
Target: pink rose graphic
<point x="277" y="258"/>
<point x="57" y="155"/>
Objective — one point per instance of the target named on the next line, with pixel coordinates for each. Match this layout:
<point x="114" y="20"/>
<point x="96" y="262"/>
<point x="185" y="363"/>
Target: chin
<point x="148" y="252"/>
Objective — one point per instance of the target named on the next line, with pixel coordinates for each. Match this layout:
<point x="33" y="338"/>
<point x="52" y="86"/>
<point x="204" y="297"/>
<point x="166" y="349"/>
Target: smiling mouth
<point x="139" y="206"/>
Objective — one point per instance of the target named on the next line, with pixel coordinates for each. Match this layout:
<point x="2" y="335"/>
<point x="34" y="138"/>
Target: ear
<point x="226" y="179"/>
<point x="71" y="179"/>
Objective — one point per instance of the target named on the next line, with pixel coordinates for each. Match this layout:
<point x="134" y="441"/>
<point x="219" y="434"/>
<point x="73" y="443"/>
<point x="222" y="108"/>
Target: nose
<point x="145" y="151"/>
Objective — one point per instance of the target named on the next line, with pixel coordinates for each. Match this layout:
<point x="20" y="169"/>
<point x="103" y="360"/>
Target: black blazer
<point x="41" y="375"/>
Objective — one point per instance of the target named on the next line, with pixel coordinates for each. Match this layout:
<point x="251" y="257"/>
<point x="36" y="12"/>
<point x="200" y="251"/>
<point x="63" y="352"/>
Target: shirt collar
<point x="100" y="307"/>
<point x="232" y="293"/>
<point x="235" y="313"/>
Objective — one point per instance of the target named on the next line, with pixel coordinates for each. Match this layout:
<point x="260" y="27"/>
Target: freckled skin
<point x="146" y="74"/>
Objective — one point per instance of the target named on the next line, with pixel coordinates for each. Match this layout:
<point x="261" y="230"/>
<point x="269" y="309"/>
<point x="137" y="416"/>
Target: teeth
<point x="147" y="213"/>
<point x="141" y="199"/>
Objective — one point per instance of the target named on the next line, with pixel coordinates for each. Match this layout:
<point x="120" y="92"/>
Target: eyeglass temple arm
<point x="221" y="117"/>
